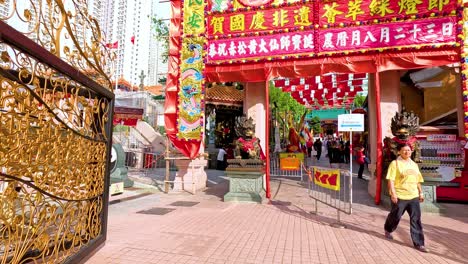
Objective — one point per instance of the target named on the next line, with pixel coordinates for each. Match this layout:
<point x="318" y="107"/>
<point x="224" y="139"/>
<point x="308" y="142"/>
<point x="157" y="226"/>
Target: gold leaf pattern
<point x="53" y="149"/>
<point x="27" y="15"/>
<point x="50" y="22"/>
<point x="5" y="57"/>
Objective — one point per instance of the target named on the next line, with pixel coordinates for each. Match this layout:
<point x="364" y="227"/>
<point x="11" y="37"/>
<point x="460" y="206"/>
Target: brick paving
<point x="280" y="232"/>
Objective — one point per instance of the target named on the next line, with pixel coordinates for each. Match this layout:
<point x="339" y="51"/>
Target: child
<point x="361" y="160"/>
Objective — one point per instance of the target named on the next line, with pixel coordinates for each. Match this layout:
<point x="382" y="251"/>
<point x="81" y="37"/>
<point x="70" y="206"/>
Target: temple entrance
<point x="244" y="45"/>
<point x="224" y="103"/>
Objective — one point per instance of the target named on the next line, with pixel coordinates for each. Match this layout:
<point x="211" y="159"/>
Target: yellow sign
<point x="298" y="155"/>
<point x="291" y="161"/>
<point x="329" y="179"/>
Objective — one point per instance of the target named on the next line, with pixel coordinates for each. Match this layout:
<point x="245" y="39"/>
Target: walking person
<point x="309" y="145"/>
<point x="221" y="159"/>
<point x="361" y="160"/>
<point x="404" y="183"/>
<point x="318" y="148"/>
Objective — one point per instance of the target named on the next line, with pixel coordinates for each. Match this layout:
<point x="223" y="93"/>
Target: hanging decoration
<point x="464" y="67"/>
<point x="326" y="91"/>
<point x="184" y="109"/>
<point x="264" y="36"/>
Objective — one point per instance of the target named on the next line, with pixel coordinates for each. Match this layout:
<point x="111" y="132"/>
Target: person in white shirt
<point x="221" y="161"/>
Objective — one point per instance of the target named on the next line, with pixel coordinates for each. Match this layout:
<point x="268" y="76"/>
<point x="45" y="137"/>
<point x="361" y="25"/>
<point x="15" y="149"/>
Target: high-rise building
<point x="32" y="26"/>
<point x="157" y="69"/>
<point x="129" y="22"/>
<point x="5" y="8"/>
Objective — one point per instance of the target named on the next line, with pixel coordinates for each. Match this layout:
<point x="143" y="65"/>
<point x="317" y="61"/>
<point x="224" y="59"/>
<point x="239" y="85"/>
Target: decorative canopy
<point x="127" y="116"/>
<point x="224" y="95"/>
<point x="326" y="91"/>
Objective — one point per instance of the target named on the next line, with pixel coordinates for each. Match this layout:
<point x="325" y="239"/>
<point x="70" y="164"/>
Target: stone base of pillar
<point x="245" y="186"/>
<point x="190" y="176"/>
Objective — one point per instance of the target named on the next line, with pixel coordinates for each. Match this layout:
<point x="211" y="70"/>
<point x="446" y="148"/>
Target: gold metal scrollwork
<point x="68" y="31"/>
<point x="53" y="145"/>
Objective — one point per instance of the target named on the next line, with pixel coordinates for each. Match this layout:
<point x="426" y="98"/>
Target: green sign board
<point x="326" y="113"/>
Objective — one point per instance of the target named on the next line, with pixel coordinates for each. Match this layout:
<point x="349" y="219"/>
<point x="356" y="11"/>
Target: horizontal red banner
<point x="343" y="11"/>
<point x="311" y="82"/>
<point x="260" y="46"/>
<point x="400" y="34"/>
<point x="264" y="20"/>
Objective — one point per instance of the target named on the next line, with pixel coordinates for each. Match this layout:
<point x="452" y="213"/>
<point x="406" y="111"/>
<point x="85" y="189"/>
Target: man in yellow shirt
<point x="404" y="183"/>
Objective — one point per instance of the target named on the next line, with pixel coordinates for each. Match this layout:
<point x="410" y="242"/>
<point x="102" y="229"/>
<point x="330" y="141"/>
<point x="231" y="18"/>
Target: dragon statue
<point x="404" y="126"/>
<point x="247" y="146"/>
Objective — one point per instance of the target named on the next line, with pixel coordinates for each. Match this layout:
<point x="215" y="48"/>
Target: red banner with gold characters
<point x="241" y="32"/>
<point x="230" y="32"/>
<point x="263" y="20"/>
<point x="329" y="179"/>
<point x="359" y="11"/>
<point x="423" y="32"/>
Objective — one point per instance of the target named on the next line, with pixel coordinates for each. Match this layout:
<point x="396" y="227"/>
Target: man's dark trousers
<point x="414" y="211"/>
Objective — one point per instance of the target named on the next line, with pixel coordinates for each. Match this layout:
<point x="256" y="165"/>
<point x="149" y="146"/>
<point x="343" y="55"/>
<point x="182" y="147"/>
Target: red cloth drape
<point x="125" y="121"/>
<point x="261" y="71"/>
<point x="188" y="148"/>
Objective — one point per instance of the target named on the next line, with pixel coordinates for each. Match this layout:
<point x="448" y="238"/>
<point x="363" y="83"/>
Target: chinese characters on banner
<point x="297" y="30"/>
<point x="261" y="46"/>
<point x="194" y="17"/>
<point x="190" y="96"/>
<point x="361" y="10"/>
<point x="399" y="34"/>
<point x="260" y="20"/>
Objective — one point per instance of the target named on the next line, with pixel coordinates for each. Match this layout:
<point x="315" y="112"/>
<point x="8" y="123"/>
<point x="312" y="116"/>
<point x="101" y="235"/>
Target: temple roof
<point x="155" y="89"/>
<point x="224" y="95"/>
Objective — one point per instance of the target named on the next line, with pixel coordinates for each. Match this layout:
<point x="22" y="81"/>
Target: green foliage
<point x="162" y="80"/>
<point x="285" y="104"/>
<point x="359" y="100"/>
<point x="161" y="30"/>
<point x="314" y="124"/>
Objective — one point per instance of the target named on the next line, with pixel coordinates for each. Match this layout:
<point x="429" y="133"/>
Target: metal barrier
<point x="322" y="189"/>
<point x="144" y="160"/>
<point x="276" y="171"/>
<point x="150" y="165"/>
<point x="157" y="168"/>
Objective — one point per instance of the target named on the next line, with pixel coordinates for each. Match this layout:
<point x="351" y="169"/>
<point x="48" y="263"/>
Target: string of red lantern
<point x="333" y="79"/>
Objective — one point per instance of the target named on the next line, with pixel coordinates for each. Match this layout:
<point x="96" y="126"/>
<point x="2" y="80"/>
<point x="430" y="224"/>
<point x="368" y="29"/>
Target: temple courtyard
<point x="148" y="226"/>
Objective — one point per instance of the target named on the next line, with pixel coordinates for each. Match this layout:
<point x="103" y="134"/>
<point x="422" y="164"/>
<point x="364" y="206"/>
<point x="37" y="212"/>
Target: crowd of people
<point x="337" y="150"/>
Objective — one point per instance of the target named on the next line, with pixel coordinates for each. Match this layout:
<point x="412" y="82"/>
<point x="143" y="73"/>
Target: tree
<point x="284" y="104"/>
<point x="314" y="124"/>
<point x="285" y="108"/>
<point x="161" y="30"/>
<point x="162" y="80"/>
<point x="359" y="100"/>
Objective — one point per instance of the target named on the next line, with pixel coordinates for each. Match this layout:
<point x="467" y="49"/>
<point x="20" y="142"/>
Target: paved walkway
<point x="202" y="228"/>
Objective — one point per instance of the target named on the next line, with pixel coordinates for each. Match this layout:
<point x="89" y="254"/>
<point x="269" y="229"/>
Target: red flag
<point x="114" y="45"/>
<point x="132" y="39"/>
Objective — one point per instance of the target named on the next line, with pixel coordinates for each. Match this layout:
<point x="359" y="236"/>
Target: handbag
<point x="366" y="160"/>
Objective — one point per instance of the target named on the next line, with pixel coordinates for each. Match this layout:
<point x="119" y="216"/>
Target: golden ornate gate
<point x="55" y="133"/>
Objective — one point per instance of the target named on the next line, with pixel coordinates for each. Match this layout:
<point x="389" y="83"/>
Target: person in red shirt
<point x="361" y="160"/>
